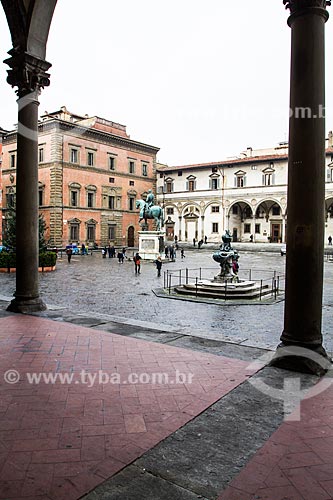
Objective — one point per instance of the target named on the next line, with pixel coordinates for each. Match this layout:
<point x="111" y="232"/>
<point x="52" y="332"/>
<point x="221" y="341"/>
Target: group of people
<point x="137" y="264"/>
<point x="200" y="242"/>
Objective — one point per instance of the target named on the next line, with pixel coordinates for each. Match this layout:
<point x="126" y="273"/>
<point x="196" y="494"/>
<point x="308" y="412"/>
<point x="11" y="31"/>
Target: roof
<point x="250" y="160"/>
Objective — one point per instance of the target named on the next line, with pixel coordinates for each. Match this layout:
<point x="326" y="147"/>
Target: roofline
<point x="86" y="131"/>
<point x="232" y="162"/>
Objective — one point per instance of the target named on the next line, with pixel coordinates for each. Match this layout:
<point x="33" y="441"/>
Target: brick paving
<point x="296" y="463"/>
<point x="59" y="441"/>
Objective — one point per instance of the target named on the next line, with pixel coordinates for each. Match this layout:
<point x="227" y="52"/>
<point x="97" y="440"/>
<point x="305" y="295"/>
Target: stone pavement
<point x="225" y="435"/>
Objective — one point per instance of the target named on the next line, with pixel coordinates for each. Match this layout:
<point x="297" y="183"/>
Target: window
<point x="90" y="158"/>
<point x="131" y="203"/>
<point x="91" y="232"/>
<point x="215" y="227"/>
<point x="13" y="160"/>
<point x="74" y="194"/>
<point x="268" y="179"/>
<point x="235" y="209"/>
<point x="329" y="174"/>
<point x="131" y="183"/>
<point x="169" y="186"/>
<point x="275" y="210"/>
<point x="247" y="228"/>
<point x="180" y="173"/>
<point x="10" y="199"/>
<point x="111" y="179"/>
<point x="90" y="199"/>
<point x="111" y="232"/>
<point x="131" y="167"/>
<point x="161" y="175"/>
<point x="257" y="228"/>
<point x="253" y="167"/>
<point x="215" y="209"/>
<point x="191" y="185"/>
<point x="214" y="183"/>
<point x="74" y="156"/>
<point x="170" y="211"/>
<point x="40" y="196"/>
<point x="111" y="202"/>
<point x="112" y="163"/>
<point x="41" y="155"/>
<point x="240" y="181"/>
<point x="144" y="169"/>
<point x="74" y="232"/>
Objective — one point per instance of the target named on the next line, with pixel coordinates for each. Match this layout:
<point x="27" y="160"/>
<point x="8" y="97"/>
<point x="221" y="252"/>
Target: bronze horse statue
<point x="154" y="212"/>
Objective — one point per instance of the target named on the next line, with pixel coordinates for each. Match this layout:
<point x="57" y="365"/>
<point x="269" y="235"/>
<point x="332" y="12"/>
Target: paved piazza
<point x="91" y="284"/>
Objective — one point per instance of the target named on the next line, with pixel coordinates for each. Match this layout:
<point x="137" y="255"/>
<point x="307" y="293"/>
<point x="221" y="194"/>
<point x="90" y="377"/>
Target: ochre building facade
<point x="90" y="175"/>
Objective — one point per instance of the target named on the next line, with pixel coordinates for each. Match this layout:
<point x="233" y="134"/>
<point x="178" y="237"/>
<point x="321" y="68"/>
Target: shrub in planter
<point x="8" y="259"/>
<point x="47" y="259"/>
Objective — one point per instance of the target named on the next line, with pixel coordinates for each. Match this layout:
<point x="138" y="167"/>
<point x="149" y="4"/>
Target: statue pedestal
<point x="151" y="244"/>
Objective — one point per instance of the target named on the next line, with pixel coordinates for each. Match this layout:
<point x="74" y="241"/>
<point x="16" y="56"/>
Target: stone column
<point x="301" y="348"/>
<point x="28" y="74"/>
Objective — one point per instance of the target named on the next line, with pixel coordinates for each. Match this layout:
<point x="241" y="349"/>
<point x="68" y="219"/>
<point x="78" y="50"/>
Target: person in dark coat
<point x="69" y="253"/>
<point x="158" y="263"/>
<point x="137" y="263"/>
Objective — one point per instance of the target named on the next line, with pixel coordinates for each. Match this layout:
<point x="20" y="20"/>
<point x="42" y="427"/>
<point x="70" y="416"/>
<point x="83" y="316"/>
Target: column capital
<point x="298" y="6"/>
<point x="27" y="73"/>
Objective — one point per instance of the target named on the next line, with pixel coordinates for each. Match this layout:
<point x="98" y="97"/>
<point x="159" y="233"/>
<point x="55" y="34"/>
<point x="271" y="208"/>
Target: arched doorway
<point x="130" y="236"/>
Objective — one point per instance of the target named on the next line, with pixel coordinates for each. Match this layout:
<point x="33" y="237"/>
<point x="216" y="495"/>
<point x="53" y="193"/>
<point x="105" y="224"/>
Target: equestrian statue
<point x="150" y="211"/>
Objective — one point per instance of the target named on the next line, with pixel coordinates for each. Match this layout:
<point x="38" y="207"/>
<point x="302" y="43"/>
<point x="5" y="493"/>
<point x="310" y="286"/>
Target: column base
<point x="303" y="359"/>
<point x="26" y="306"/>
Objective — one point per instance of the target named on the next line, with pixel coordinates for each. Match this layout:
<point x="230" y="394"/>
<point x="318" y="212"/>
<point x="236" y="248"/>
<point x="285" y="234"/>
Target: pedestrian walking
<point x="330" y="240"/>
<point x="124" y="253"/>
<point x="200" y="243"/>
<point x="166" y="251"/>
<point x="182" y="253"/>
<point x="194" y="242"/>
<point x="104" y="251"/>
<point x="69" y="253"/>
<point x="158" y="263"/>
<point x="110" y="251"/>
<point x="137" y="263"/>
<point x="120" y="256"/>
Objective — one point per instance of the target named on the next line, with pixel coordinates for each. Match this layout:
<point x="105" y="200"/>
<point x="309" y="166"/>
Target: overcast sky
<point x="200" y="80"/>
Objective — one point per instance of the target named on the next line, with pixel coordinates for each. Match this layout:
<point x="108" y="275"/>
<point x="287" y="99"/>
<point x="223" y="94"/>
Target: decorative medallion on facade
<point x="298" y="5"/>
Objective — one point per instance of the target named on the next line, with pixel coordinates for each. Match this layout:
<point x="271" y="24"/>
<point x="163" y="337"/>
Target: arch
<point x="189" y="204"/>
<point x="29" y="24"/>
<point x="270" y="220"/>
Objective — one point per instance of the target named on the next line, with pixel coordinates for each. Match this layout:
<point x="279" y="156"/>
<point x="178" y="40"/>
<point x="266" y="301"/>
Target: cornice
<point x="88" y="133"/>
<point x="98" y="135"/>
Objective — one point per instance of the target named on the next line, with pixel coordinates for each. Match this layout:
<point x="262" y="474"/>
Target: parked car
<point x="283" y="250"/>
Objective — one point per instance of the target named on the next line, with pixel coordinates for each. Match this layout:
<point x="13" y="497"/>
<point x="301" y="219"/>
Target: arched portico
<point x="269" y="222"/>
<point x="240" y="220"/>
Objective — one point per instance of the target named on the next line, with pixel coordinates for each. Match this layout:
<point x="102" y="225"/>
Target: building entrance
<point x="276" y="233"/>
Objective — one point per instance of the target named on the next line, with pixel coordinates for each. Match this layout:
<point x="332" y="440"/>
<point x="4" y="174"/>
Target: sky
<point x="200" y="80"/>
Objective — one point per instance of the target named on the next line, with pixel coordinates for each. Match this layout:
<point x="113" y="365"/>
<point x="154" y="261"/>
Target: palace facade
<point x="246" y="195"/>
<point x="90" y="174"/>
